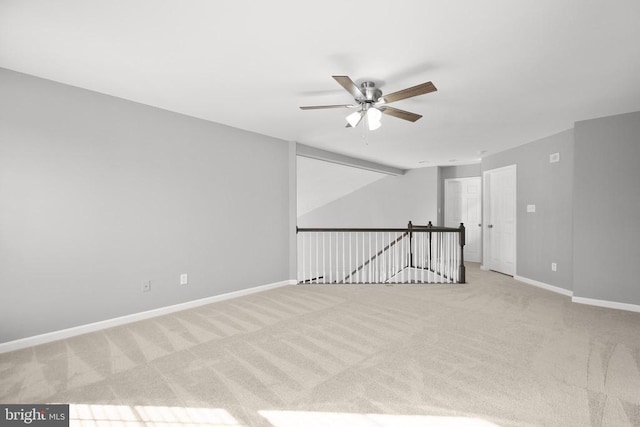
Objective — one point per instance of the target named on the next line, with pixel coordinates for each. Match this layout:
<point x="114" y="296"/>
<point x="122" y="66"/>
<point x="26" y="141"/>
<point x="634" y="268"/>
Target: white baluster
<point x="446" y="259"/>
<point x="350" y="266"/>
<point x="439" y="269"/>
<point x="376" y="270"/>
<point x="365" y="268"/>
<point x="396" y="268"/>
<point x="337" y="253"/>
<point x="415" y="257"/>
<point x="422" y="257"/>
<point x="389" y="269"/>
<point x="358" y="263"/>
<point x="437" y="257"/>
<point x="383" y="257"/>
<point x="324" y="265"/>
<point x="337" y="258"/>
<point x="344" y="265"/>
<point x="392" y="258"/>
<point x="403" y="257"/>
<point x="411" y="245"/>
<point x="458" y="253"/>
<point x="330" y="259"/>
<point x="395" y="260"/>
<point x="380" y="258"/>
<point x="450" y="257"/>
<point x="429" y="257"/>
<point x="451" y="252"/>
<point x="367" y="259"/>
<point x="351" y="269"/>
<point x="442" y="257"/>
<point x="361" y="263"/>
<point x="455" y="258"/>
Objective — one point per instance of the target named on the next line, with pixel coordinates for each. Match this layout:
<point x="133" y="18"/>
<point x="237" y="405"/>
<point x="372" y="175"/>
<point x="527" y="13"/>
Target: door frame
<point x="486" y="195"/>
<point x="467" y="226"/>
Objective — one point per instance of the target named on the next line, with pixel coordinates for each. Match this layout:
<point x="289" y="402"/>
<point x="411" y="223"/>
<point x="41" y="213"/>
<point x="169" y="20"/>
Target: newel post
<point x="410" y="227"/>
<point x="461" y="275"/>
<point x="430" y="246"/>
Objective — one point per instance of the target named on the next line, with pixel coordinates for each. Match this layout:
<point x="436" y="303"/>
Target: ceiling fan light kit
<point x="370" y="102"/>
<point x="373" y="118"/>
<point x="354" y="118"/>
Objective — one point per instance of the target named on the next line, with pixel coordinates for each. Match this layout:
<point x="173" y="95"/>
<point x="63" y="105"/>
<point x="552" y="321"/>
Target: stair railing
<point x="416" y="254"/>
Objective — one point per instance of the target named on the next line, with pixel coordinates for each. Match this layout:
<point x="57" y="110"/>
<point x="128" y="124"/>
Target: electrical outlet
<point x="146" y="286"/>
<point x="531" y="208"/>
<point x="554" y="266"/>
<point x="184" y="279"/>
<point x="555" y="157"/>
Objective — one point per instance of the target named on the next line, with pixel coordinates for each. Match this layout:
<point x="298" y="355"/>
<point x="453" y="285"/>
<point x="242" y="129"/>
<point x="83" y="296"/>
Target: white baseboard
<point x="117" y="321"/>
<point x="546" y="286"/>
<point x="607" y="304"/>
<point x="581" y="300"/>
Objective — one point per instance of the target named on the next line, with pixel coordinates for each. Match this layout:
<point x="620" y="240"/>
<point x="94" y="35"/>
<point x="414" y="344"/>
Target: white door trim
<point x="486" y="248"/>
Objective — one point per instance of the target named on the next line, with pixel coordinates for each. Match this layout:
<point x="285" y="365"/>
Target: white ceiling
<point x="508" y="72"/>
<point x="320" y="182"/>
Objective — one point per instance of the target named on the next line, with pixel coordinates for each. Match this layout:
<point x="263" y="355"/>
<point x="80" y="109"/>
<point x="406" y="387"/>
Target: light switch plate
<point x="531" y="208"/>
<point x="184" y="279"/>
<point x="555" y="157"/>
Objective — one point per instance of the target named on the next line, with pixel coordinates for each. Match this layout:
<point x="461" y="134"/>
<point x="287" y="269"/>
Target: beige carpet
<point x="493" y="352"/>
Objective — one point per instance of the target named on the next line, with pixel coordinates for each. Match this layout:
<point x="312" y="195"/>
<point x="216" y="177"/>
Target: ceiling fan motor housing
<point x="371" y="92"/>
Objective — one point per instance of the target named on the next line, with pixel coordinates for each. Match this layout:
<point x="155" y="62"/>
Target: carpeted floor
<point x="493" y="352"/>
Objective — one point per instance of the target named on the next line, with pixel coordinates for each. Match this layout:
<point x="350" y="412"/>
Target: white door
<point x="500" y="220"/>
<point x="462" y="205"/>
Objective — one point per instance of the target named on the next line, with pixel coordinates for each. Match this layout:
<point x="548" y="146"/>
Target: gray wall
<point x="448" y="172"/>
<point x="545" y="236"/>
<point x="98" y="194"/>
<point x="606" y="222"/>
<point x="388" y="202"/>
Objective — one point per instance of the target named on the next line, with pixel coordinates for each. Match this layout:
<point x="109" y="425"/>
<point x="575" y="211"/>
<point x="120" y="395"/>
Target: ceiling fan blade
<point x="401" y="114"/>
<point x="349" y="85"/>
<point x="321" y="107"/>
<point x="420" y="89"/>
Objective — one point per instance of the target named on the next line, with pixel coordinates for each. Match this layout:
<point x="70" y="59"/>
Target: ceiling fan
<point x="370" y="102"/>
